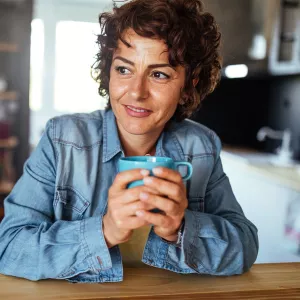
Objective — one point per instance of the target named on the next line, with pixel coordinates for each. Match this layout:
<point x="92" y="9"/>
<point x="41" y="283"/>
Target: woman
<point x="70" y="211"/>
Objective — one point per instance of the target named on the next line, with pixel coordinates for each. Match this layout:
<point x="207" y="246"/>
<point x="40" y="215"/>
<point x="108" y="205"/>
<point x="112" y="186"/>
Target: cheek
<point x="167" y="96"/>
<point x="116" y="89"/>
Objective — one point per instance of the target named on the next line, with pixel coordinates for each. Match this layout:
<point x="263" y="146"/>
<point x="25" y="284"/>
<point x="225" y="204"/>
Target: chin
<point x="137" y="130"/>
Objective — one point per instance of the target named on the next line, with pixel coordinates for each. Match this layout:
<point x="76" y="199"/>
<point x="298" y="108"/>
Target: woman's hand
<point x="121" y="219"/>
<point x="169" y="183"/>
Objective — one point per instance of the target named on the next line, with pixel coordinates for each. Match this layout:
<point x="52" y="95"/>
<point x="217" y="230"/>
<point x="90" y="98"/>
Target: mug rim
<point x="132" y="159"/>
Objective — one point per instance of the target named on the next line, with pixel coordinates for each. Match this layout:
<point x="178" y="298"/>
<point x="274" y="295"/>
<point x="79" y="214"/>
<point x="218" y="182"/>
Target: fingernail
<point x="148" y="180"/>
<point x="144" y="196"/>
<point x="157" y="171"/>
<point x="145" y="172"/>
<point x="139" y="213"/>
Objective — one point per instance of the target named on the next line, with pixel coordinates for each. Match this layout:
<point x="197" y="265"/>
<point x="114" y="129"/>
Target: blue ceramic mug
<point x="150" y="162"/>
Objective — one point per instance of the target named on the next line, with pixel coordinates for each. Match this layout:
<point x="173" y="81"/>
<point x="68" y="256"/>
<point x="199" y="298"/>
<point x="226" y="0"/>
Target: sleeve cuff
<point x="190" y="226"/>
<point x="94" y="243"/>
<point x="188" y="237"/>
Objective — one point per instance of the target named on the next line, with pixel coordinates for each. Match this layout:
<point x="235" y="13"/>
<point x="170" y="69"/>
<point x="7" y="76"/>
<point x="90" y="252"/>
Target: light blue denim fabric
<point x="53" y="217"/>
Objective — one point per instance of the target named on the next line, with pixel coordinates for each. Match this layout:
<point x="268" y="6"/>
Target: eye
<point x="122" y="70"/>
<point x="160" y="75"/>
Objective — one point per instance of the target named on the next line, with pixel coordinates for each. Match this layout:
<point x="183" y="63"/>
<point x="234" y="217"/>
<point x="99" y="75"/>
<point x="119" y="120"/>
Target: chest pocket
<point x="196" y="204"/>
<point x="69" y="205"/>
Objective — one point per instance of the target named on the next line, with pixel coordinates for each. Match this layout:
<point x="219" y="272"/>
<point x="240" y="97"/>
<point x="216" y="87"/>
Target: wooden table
<point x="264" y="281"/>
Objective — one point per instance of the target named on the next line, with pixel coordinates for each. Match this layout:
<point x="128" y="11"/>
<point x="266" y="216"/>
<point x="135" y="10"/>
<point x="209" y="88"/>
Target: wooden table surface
<point x="263" y="281"/>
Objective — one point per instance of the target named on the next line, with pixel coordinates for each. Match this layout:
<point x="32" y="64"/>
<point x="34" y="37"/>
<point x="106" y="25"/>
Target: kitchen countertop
<point x="285" y="176"/>
<point x="263" y="281"/>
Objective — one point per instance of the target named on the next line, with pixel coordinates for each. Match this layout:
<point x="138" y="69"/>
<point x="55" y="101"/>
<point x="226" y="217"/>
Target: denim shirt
<point x="53" y="217"/>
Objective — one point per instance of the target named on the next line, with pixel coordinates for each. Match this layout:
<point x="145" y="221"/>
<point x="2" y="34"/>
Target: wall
<point x="236" y="110"/>
<point x="236" y="39"/>
<point x="239" y="22"/>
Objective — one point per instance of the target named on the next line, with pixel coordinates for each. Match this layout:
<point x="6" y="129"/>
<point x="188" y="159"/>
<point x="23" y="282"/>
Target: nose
<point x="138" y="89"/>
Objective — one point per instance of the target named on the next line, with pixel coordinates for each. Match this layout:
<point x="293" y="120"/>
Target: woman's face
<point x="144" y="88"/>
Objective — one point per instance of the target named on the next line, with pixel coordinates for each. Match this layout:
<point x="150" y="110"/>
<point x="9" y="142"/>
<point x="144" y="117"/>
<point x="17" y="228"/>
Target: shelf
<point x="6" y="187"/>
<point x="8" y="96"/>
<point x="9" y="47"/>
<point x="9" y="143"/>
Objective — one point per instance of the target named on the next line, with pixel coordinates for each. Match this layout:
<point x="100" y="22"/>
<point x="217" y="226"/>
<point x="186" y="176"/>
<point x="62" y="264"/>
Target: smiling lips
<point x="137" y="112"/>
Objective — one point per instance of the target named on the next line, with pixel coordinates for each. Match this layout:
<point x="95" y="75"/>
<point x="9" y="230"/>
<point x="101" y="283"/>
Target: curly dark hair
<point x="191" y="35"/>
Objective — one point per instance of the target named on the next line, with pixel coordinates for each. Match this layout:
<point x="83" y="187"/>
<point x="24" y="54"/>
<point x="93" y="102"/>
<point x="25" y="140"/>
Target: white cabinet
<point x="264" y="203"/>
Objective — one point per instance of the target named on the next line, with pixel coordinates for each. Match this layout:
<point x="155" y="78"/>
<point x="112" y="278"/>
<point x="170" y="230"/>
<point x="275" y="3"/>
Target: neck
<point x="138" y="145"/>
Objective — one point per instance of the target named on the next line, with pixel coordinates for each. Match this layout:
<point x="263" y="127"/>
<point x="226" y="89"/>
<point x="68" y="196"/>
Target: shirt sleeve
<point x="33" y="245"/>
<point x="219" y="241"/>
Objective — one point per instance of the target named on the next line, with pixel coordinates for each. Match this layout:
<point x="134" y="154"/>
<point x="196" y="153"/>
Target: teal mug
<point x="150" y="162"/>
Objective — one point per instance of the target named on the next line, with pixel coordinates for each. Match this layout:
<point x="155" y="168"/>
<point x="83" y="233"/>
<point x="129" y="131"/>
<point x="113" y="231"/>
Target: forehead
<point x="141" y="46"/>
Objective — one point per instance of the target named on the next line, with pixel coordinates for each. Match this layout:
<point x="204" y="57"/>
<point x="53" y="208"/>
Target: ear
<point x="195" y="81"/>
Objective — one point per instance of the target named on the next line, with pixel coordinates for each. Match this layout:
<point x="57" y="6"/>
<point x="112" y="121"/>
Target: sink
<point x="259" y="158"/>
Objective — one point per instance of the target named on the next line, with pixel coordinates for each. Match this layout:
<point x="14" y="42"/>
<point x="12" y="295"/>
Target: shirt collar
<point x="111" y="142"/>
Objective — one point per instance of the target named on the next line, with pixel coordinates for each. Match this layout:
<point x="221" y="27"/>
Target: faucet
<point x="284" y="152"/>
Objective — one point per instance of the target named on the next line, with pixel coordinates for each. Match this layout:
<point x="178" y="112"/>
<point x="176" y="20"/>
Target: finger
<point x="154" y="218"/>
<point x="124" y="178"/>
<point x="164" y="187"/>
<point x="132" y="223"/>
<point x="169" y="174"/>
<point x="133" y="194"/>
<point x="131" y="209"/>
<point x="169" y="206"/>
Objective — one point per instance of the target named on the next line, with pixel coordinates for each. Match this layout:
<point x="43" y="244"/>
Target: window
<point x="36" y="64"/>
<point x="75" y="90"/>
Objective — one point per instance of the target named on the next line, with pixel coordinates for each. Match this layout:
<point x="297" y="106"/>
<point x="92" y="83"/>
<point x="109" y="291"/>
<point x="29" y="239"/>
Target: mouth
<point x="137" y="109"/>
<point x="137" y="112"/>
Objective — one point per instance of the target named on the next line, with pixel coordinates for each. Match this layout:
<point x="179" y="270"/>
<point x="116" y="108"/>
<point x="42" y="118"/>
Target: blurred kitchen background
<point x="47" y="48"/>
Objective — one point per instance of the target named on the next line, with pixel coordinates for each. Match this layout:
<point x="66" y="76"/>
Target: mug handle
<point x="189" y="166"/>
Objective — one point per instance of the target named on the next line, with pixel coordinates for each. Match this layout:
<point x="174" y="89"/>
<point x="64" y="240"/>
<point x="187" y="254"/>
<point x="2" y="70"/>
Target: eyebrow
<point x="153" y="66"/>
